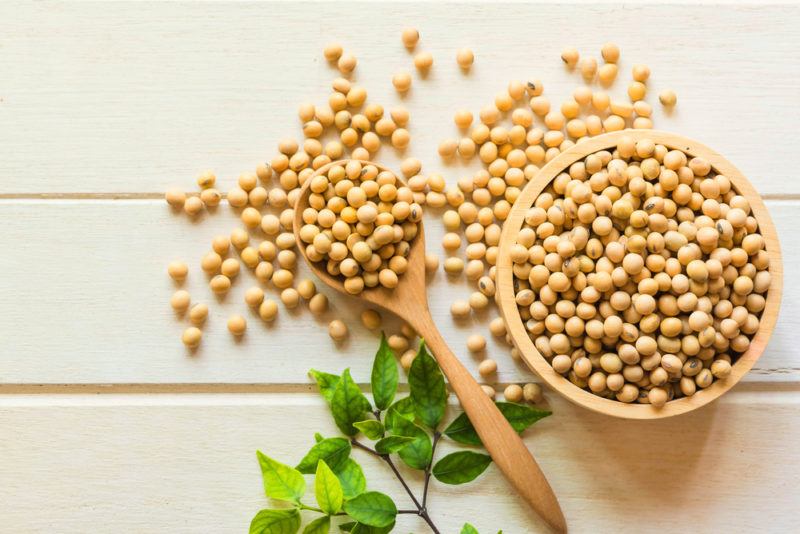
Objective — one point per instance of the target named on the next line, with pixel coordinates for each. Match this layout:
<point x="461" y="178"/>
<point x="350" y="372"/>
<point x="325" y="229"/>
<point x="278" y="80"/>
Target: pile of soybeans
<point x="640" y="273"/>
<point x="362" y="220"/>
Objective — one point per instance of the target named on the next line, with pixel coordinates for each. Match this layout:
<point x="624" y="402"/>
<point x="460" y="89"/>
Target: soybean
<point x="237" y="325"/>
<point x="177" y="270"/>
<point x="192" y="336"/>
<point x="337" y="330"/>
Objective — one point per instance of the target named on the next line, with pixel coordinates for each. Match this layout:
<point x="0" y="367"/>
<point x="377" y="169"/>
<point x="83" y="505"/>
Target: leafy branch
<point x="407" y="428"/>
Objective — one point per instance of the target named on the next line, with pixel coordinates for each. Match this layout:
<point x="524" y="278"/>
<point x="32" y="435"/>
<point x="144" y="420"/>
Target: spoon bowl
<point x="402" y="299"/>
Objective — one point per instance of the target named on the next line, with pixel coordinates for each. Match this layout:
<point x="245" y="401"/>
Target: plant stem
<point x="312" y="508"/>
<point x="360" y="445"/>
<point x="436" y="437"/>
<point x="421" y="510"/>
<point x="424" y="515"/>
<point x="315" y="509"/>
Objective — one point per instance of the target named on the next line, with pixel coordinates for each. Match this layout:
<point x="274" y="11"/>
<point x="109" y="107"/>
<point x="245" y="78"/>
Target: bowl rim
<point x="505" y="282"/>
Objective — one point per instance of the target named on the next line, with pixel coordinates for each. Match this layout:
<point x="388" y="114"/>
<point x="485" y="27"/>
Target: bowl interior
<point x="516" y="328"/>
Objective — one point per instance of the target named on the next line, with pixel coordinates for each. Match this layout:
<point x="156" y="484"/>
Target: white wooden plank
<point x="84" y="298"/>
<point x="186" y="463"/>
<point x="101" y="97"/>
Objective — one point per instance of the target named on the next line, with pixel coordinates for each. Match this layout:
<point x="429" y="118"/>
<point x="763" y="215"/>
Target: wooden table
<point x="108" y="425"/>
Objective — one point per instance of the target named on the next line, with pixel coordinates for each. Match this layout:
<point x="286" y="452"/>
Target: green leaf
<point x="428" y="391"/>
<point x="347" y="527"/>
<point x="348" y="404"/>
<point x="418" y="453"/>
<point x="327" y="489"/>
<point x="372" y="508"/>
<point x="321" y="525"/>
<point x="281" y="482"/>
<point x="520" y="417"/>
<point x="404" y="408"/>
<point x="371" y="428"/>
<point x="333" y="450"/>
<point x="384" y="376"/>
<point x="318" y="437"/>
<point x="285" y="521"/>
<point x="361" y="528"/>
<point x="460" y="467"/>
<point x="468" y="529"/>
<point x="352" y="479"/>
<point x="325" y="381"/>
<point x="461" y="430"/>
<point x="391" y="444"/>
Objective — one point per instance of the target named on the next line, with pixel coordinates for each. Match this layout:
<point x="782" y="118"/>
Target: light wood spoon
<point x="409" y="301"/>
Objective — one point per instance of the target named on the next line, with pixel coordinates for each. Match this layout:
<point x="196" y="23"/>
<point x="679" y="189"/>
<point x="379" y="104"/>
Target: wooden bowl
<point x="516" y="328"/>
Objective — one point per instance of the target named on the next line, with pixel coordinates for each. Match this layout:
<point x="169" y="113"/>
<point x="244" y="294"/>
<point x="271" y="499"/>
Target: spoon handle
<point x="501" y="441"/>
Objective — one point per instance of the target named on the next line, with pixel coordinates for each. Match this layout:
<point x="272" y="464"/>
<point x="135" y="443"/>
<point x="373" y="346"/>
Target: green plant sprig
<point x="407" y="428"/>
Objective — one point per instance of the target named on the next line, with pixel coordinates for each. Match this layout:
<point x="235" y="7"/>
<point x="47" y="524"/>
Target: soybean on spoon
<point x="409" y="301"/>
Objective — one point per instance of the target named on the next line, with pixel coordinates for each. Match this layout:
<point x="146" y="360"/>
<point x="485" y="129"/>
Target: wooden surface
<point x="108" y="426"/>
<point x="505" y="278"/>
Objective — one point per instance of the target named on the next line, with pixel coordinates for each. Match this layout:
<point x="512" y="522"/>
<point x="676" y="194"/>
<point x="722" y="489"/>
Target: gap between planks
<point x="160" y="388"/>
<point x="160" y="196"/>
<point x="225" y="388"/>
<point x="783" y="394"/>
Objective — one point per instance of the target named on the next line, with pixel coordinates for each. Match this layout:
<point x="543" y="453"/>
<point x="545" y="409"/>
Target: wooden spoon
<point x="409" y="301"/>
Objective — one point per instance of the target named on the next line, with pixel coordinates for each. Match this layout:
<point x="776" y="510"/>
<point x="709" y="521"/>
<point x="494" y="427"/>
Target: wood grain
<point x="186" y="464"/>
<point x="139" y="97"/>
<point x="84" y="298"/>
<point x="101" y="101"/>
<point x="522" y="340"/>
